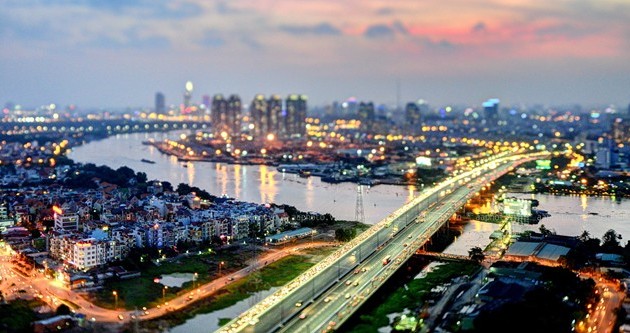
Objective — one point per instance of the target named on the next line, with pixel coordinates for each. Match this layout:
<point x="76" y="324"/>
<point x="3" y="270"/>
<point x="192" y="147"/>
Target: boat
<point x="147" y="161"/>
<point x="304" y="173"/>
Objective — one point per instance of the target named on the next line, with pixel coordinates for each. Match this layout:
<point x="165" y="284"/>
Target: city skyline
<point x="120" y="54"/>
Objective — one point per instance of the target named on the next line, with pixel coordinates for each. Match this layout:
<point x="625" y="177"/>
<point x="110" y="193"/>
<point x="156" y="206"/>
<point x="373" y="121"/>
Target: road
<point x="601" y="316"/>
<point x="321" y="298"/>
<point x="55" y="293"/>
<point x="343" y="298"/>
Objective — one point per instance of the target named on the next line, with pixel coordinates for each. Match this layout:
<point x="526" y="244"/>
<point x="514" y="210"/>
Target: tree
<point x="585" y="236"/>
<point x="476" y="254"/>
<point x="545" y="231"/>
<point x="610" y="240"/>
<point x="63" y="310"/>
<point x="141" y="177"/>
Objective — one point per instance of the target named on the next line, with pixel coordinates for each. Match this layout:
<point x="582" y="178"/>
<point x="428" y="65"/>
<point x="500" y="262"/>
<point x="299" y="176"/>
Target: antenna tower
<point x="359" y="214"/>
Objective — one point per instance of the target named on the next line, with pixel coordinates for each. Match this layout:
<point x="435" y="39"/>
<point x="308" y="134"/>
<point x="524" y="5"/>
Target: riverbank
<point x="274" y="275"/>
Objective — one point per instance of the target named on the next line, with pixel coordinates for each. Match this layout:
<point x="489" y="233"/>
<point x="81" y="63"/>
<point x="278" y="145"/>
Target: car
<point x="298" y="304"/>
<point x="409" y="236"/>
<point x="303" y="315"/>
<point x="364" y="269"/>
<point x="121" y="317"/>
<point x="349" y="282"/>
<point x="356" y="283"/>
<point x="405" y="245"/>
<point x="347" y="295"/>
<point x="327" y="299"/>
<point x="230" y="279"/>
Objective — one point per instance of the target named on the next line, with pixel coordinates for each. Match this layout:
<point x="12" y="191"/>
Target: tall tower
<point x="359" y="213"/>
<point x="274" y="115"/>
<point x="366" y="114"/>
<point x="160" y="103"/>
<point x="412" y="118"/>
<point x="294" y="120"/>
<point x="258" y="113"/>
<point x="233" y="119"/>
<point x="491" y="110"/>
<point x="218" y="113"/>
<point x="188" y="94"/>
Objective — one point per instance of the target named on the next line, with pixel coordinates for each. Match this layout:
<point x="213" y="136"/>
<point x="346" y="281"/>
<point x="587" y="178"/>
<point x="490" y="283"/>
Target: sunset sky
<point x="117" y="53"/>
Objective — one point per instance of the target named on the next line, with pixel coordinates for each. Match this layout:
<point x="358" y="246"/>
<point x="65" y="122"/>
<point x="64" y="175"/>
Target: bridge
<point x="324" y="296"/>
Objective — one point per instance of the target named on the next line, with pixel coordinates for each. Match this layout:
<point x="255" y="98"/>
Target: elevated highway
<point x="324" y="296"/>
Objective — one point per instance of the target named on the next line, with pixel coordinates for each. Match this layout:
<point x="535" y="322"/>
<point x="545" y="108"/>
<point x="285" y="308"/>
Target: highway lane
<point x="336" y="305"/>
<point x="280" y="307"/>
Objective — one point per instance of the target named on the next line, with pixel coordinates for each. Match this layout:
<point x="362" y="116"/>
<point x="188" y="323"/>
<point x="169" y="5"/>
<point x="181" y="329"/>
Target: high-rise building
<point x="160" y="103"/>
<point x="218" y="113"/>
<point x="295" y="116"/>
<point x="258" y="114"/>
<point x="366" y="115"/>
<point x="491" y="109"/>
<point x="65" y="220"/>
<point x="206" y="101"/>
<point x="274" y="115"/>
<point x="188" y="94"/>
<point x="233" y="119"/>
<point x="412" y="115"/>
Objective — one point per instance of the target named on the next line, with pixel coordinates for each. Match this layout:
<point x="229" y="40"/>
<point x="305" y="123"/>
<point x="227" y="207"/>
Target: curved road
<point x="54" y="292"/>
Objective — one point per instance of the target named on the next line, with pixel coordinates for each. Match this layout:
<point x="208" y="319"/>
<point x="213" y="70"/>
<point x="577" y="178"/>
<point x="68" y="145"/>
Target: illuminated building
<point x="226" y="114"/>
<point x="274" y="115"/>
<point x="65" y="220"/>
<point x="294" y="120"/>
<point x="217" y="113"/>
<point x="160" y="103"/>
<point x="188" y="94"/>
<point x="366" y="116"/>
<point x="491" y="110"/>
<point x="206" y="101"/>
<point x="258" y="113"/>
<point x="412" y="118"/>
<point x="233" y="119"/>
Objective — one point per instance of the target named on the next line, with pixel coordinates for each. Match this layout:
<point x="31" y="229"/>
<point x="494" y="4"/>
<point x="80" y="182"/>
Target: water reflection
<point x="263" y="184"/>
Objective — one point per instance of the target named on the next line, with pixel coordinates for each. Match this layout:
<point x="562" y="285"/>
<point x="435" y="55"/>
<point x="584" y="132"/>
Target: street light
<point x="220" y="265"/>
<point x="115" y="293"/>
<point x="194" y="280"/>
<point x="164" y="294"/>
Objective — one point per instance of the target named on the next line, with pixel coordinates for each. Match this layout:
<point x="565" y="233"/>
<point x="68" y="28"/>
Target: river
<point x="570" y="215"/>
<point x="251" y="183"/>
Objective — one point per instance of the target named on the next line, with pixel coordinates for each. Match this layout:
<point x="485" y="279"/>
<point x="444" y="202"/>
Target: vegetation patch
<point x="412" y="297"/>
<point x="275" y="274"/>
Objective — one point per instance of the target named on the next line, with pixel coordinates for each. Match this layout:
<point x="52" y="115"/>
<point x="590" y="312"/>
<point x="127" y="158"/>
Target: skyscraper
<point x="218" y="113"/>
<point x="188" y="94"/>
<point x="295" y="116"/>
<point x="366" y="115"/>
<point x="206" y="101"/>
<point x="160" y="103"/>
<point x="491" y="110"/>
<point x="412" y="116"/>
<point x="274" y="115"/>
<point x="258" y="114"/>
<point x="233" y="119"/>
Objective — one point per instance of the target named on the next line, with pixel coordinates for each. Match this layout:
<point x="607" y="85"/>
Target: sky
<point x="119" y="53"/>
